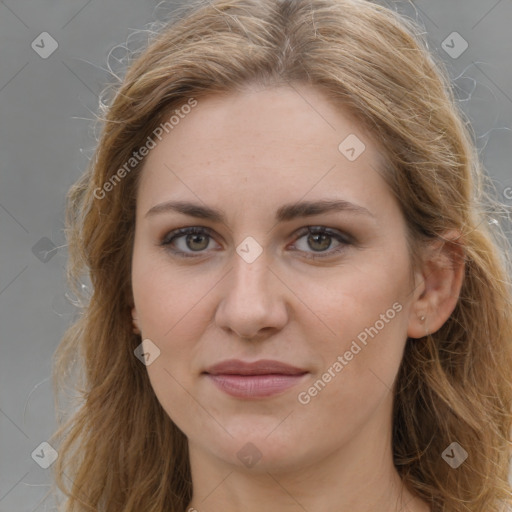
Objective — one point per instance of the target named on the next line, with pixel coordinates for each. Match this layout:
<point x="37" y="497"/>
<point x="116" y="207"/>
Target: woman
<point x="298" y="302"/>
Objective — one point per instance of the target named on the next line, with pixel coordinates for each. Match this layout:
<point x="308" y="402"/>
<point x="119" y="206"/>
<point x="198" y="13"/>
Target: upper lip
<point x="261" y="367"/>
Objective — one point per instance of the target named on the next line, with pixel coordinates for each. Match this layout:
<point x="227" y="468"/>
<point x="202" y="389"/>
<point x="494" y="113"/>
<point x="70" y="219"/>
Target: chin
<point x="260" y="450"/>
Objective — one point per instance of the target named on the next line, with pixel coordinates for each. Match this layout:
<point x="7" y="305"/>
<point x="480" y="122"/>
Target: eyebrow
<point x="285" y="213"/>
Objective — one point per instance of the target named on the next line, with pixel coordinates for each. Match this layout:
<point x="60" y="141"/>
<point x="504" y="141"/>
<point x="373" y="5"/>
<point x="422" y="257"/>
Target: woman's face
<point x="251" y="171"/>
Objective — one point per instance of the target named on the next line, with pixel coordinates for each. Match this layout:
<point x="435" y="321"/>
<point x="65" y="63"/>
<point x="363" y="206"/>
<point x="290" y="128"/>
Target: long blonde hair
<point x="118" y="449"/>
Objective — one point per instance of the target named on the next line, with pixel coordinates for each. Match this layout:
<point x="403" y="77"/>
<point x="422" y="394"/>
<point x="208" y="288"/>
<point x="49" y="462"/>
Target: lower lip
<point x="254" y="386"/>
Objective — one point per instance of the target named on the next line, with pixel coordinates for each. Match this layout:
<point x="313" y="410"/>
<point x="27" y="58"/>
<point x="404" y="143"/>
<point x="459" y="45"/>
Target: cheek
<point x="167" y="297"/>
<point x="359" y="362"/>
<point x="170" y="309"/>
<point x="354" y="295"/>
<point x="363" y="309"/>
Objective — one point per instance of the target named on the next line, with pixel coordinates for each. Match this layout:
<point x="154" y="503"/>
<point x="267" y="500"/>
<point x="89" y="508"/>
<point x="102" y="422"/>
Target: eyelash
<point x="314" y="230"/>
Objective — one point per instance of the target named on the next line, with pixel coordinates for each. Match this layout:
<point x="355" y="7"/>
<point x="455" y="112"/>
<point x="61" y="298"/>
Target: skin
<point x="248" y="153"/>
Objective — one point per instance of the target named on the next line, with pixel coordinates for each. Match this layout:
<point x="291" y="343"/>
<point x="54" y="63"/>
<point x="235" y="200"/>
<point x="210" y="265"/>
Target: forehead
<point x="263" y="144"/>
<point x="285" y="115"/>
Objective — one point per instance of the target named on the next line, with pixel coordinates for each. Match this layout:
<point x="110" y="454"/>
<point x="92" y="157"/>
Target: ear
<point x="135" y="322"/>
<point x="437" y="285"/>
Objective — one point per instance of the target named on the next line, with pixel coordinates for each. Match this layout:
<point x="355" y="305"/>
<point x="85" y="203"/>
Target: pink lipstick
<point x="259" y="379"/>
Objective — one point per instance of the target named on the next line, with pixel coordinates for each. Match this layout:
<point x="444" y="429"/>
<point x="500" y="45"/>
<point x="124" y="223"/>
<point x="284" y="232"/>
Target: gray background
<point x="46" y="138"/>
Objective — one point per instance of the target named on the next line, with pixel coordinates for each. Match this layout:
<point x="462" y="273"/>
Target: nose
<point x="253" y="303"/>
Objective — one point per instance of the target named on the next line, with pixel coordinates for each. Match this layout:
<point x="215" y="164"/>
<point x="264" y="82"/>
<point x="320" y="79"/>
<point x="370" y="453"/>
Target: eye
<point x="184" y="242"/>
<point x="195" y="238"/>
<point x="319" y="239"/>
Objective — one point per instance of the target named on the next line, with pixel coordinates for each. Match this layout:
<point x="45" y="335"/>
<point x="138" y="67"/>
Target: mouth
<point x="259" y="379"/>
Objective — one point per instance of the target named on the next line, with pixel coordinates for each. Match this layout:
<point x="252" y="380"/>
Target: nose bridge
<point x="250" y="301"/>
<point x="251" y="274"/>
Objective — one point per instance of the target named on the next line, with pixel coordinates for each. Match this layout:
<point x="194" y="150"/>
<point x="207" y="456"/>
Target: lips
<point x="259" y="379"/>
<point x="261" y="367"/>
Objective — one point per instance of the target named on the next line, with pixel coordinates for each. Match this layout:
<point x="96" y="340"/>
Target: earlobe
<point x="442" y="274"/>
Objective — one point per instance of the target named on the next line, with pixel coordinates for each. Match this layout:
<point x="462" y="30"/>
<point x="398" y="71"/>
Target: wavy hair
<point x="452" y="386"/>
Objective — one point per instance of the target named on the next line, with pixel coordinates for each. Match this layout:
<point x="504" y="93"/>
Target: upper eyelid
<point x="209" y="231"/>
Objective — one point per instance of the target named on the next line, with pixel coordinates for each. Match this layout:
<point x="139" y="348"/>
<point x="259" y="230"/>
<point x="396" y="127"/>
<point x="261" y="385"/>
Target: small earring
<point x="422" y="320"/>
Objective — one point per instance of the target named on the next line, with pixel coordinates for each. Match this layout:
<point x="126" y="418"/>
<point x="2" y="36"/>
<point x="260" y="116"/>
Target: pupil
<point x="321" y="236"/>
<point x="194" y="238"/>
